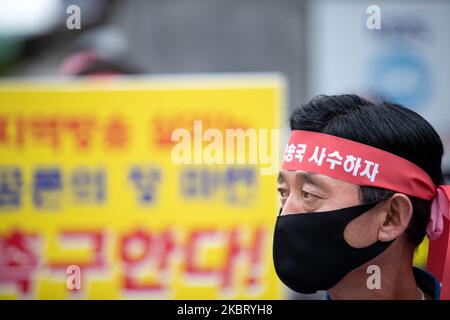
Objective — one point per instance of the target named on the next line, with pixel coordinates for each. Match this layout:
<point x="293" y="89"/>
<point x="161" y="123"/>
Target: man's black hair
<point x="387" y="126"/>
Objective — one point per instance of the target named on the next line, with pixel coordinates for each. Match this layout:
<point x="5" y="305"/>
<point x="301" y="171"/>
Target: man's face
<point x="302" y="191"/>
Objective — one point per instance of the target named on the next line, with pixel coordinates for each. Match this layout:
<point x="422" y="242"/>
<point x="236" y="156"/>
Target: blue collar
<point x="425" y="281"/>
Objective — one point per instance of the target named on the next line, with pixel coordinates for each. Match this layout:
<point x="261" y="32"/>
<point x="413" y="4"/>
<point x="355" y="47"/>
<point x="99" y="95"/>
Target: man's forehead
<point x="306" y="174"/>
<point x="310" y="177"/>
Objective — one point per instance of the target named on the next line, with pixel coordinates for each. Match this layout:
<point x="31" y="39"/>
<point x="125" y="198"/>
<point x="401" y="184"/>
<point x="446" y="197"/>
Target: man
<point x="344" y="213"/>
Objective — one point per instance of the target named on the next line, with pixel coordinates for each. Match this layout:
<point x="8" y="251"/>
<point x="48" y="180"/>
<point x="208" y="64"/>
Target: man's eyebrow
<point x="312" y="178"/>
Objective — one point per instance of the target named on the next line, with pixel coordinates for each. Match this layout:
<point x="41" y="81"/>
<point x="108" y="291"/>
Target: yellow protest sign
<point x="92" y="205"/>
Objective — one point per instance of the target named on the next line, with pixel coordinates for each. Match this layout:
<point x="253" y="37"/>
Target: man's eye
<point x="283" y="196"/>
<point x="308" y="196"/>
<point x="283" y="193"/>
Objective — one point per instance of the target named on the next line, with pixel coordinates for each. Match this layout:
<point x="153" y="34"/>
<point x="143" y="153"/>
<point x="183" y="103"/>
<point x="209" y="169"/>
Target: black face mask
<point x="310" y="252"/>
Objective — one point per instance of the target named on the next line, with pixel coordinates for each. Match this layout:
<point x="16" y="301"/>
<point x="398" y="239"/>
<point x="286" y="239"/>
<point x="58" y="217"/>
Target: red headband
<point x="365" y="165"/>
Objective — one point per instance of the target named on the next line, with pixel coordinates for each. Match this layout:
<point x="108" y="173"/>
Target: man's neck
<point x="397" y="279"/>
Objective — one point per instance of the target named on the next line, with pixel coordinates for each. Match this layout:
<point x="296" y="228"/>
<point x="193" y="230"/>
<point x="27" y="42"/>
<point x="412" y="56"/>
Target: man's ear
<point x="395" y="217"/>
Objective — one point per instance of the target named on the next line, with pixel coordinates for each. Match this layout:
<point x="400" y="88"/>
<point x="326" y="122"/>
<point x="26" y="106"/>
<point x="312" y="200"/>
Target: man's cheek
<point x="361" y="232"/>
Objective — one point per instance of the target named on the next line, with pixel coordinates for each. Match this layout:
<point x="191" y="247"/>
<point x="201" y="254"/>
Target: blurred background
<point x="317" y="46"/>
